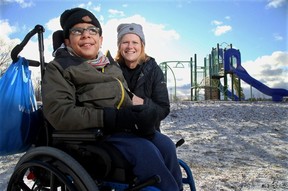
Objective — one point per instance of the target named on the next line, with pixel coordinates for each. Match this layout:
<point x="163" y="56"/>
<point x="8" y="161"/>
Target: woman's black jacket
<point x="147" y="81"/>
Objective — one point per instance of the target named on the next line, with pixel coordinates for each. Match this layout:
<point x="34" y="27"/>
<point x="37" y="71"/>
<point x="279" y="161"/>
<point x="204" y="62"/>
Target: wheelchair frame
<point x="62" y="161"/>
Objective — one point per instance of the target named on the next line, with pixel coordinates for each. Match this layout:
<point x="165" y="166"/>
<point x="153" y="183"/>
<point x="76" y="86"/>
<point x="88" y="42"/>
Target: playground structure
<point x="214" y="87"/>
<point x="222" y="63"/>
<point x="194" y="73"/>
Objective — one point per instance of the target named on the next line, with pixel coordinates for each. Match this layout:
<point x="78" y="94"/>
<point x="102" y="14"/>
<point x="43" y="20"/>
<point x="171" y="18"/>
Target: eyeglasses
<point x="80" y="31"/>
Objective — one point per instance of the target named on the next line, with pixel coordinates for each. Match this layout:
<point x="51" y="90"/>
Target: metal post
<point x="205" y="75"/>
<point x="225" y="88"/>
<point x="191" y="78"/>
<point x="195" y="77"/>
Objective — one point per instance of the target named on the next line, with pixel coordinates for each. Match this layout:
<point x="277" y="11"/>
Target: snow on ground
<point x="230" y="146"/>
<point x="233" y="145"/>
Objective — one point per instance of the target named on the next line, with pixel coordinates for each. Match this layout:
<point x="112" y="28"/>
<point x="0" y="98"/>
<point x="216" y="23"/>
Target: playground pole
<point x="165" y="64"/>
<point x="191" y="78"/>
<point x="174" y="80"/>
<point x="251" y="94"/>
<point x="232" y="79"/>
<point x="239" y="89"/>
<point x="225" y="75"/>
<point x="214" y="65"/>
<point x="210" y="76"/>
<point x="225" y="86"/>
<point x="205" y="75"/>
<point x="195" y="77"/>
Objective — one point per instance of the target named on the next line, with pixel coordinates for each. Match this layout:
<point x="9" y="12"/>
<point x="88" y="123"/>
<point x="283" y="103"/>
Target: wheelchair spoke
<point x="53" y="182"/>
<point x="23" y="186"/>
<point x="47" y="168"/>
<point x="55" y="179"/>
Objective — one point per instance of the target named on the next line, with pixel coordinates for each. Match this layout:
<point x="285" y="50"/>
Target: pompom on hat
<point x="71" y="17"/>
<point x="131" y="28"/>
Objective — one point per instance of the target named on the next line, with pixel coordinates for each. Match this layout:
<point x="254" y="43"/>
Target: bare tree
<point x="5" y="59"/>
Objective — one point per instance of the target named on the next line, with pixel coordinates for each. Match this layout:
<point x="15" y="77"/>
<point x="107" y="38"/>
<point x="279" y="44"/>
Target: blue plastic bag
<point x="17" y="104"/>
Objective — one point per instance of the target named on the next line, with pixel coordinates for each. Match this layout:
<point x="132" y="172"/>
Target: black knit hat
<point x="71" y="17"/>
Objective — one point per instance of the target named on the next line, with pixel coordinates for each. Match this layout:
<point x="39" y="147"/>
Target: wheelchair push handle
<point x="18" y="48"/>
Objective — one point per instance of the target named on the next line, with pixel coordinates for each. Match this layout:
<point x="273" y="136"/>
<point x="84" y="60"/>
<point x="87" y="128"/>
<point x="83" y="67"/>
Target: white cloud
<point x="6" y="29"/>
<point x="220" y="27"/>
<point x="53" y="24"/>
<point x="219" y="30"/>
<point x="90" y="6"/>
<point x="161" y="43"/>
<point x="6" y="43"/>
<point x="227" y="17"/>
<point x="271" y="70"/>
<point x="115" y="13"/>
<point x="275" y="3"/>
<point x="22" y="3"/>
<point x="215" y="22"/>
<point x="278" y="37"/>
<point x="97" y="8"/>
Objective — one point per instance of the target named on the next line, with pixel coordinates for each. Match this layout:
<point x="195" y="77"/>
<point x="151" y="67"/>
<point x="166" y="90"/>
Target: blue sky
<point x="174" y="29"/>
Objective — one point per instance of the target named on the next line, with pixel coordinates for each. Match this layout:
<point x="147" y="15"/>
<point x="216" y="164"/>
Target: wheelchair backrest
<point x="58" y="39"/>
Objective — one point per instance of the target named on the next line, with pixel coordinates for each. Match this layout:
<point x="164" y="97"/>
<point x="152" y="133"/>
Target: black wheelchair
<point x="75" y="160"/>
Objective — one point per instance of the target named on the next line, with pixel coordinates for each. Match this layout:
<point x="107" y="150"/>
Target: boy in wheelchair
<point x="83" y="89"/>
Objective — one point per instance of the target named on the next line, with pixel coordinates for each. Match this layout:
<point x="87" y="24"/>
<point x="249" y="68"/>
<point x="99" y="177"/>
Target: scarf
<point x="99" y="63"/>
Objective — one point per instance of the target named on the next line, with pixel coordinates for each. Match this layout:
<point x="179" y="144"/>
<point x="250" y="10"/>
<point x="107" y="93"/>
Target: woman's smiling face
<point x="130" y="49"/>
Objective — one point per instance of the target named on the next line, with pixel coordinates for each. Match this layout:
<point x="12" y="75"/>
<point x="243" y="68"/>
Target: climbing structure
<point x="220" y="77"/>
<point x="217" y="71"/>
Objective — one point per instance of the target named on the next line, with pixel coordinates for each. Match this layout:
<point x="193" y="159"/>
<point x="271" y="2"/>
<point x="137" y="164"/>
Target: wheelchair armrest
<point x="77" y="135"/>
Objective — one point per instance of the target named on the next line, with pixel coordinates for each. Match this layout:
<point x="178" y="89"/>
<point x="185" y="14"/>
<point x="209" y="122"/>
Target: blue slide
<point x="229" y="94"/>
<point x="276" y="93"/>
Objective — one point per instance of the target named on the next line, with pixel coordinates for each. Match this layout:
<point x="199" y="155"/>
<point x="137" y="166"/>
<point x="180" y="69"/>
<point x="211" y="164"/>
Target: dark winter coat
<point x="147" y="81"/>
<point x="74" y="92"/>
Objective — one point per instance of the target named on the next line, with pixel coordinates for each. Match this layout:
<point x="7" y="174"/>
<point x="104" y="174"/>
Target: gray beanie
<point x="133" y="28"/>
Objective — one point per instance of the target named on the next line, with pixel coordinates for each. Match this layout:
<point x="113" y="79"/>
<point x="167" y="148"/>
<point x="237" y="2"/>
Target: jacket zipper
<point x="122" y="93"/>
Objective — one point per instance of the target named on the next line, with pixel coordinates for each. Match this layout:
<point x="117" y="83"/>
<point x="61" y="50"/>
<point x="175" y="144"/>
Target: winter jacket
<point x="150" y="86"/>
<point x="74" y="92"/>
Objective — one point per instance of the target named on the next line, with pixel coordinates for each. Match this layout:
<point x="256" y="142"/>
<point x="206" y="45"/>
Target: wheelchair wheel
<point x="47" y="168"/>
